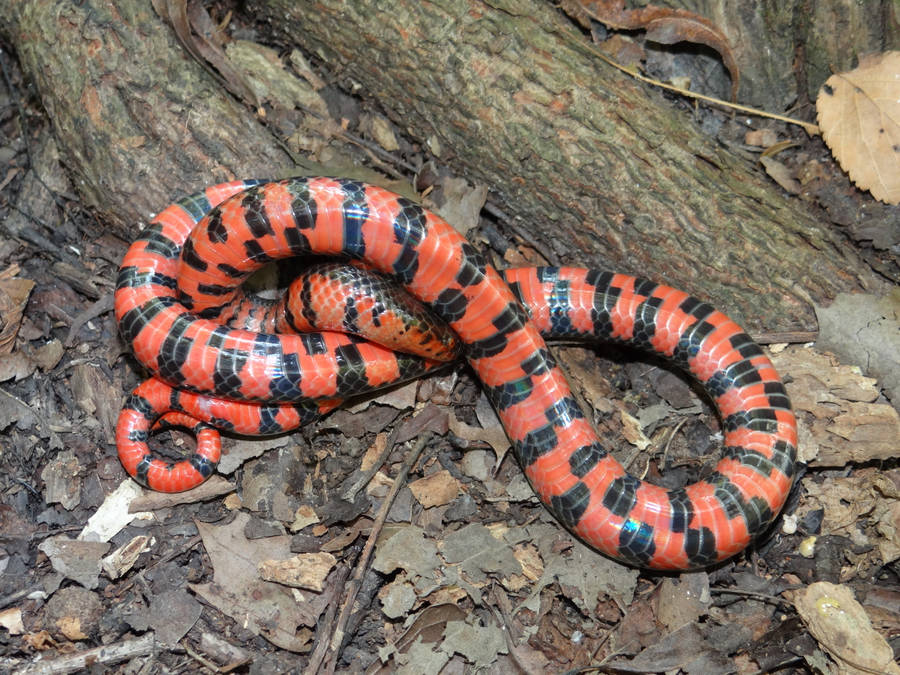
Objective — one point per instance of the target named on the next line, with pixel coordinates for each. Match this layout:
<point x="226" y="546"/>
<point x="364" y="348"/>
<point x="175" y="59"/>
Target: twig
<point x="90" y="658"/>
<point x="500" y="610"/>
<point x="18" y="595"/>
<point x="353" y="586"/>
<point x="325" y="626"/>
<point x="791" y="337"/>
<point x="350" y="493"/>
<point x="810" y="128"/>
<point x="753" y="594"/>
<point x="202" y="660"/>
<point x="98" y="308"/>
<point x="671" y="438"/>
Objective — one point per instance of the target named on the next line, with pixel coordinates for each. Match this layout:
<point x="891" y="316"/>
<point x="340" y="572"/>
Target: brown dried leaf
<point x="261" y="607"/>
<point x="11" y="620"/>
<point x="76" y="560"/>
<point x="859" y="114"/>
<point x="683" y="602"/>
<point x="14" y="294"/>
<point x="435" y="490"/>
<point x="494" y="436"/>
<point x="632" y="429"/>
<point x="781" y="174"/>
<point x="868" y="494"/>
<point x="761" y="138"/>
<point x="663" y="25"/>
<point x="840" y="624"/>
<point x="16" y="366"/>
<point x="841" y="421"/>
<point x="624" y="51"/>
<point x="304" y="570"/>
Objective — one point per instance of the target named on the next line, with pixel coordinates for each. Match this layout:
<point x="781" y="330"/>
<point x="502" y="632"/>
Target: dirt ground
<point x="398" y="533"/>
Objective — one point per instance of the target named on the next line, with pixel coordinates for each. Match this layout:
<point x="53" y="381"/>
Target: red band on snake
<point x="182" y="272"/>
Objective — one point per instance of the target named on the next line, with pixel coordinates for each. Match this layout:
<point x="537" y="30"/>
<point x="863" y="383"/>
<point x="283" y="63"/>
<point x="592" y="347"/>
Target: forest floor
<point x="467" y="570"/>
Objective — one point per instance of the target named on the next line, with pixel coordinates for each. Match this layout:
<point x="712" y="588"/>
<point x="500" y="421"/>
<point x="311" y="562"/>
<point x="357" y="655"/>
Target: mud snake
<point x="176" y="276"/>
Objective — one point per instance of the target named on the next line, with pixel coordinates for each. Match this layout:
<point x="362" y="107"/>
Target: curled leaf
<point x="663" y="25"/>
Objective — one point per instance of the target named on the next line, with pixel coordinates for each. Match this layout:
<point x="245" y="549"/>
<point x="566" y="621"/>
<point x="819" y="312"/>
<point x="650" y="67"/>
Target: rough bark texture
<point x="136" y="119"/>
<point x="601" y="170"/>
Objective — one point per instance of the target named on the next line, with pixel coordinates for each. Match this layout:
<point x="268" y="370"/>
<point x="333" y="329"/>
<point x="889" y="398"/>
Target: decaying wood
<point x="600" y="170"/>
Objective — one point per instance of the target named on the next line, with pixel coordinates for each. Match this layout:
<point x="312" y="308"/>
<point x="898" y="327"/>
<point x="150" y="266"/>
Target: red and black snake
<point x="183" y="271"/>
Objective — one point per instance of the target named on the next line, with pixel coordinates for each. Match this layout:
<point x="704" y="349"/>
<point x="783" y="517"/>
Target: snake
<point x="185" y="274"/>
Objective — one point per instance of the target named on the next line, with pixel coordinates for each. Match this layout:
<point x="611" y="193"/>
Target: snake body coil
<point x="182" y="272"/>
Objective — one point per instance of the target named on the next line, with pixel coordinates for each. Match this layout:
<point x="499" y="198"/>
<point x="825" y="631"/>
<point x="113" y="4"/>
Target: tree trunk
<point x="599" y="169"/>
<point x="137" y="121"/>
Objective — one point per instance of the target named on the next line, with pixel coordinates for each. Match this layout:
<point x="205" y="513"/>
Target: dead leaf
<point x="304" y="516"/>
<point x="77" y="560"/>
<point x="62" y="480"/>
<point x="435" y="490"/>
<point x="530" y="560"/>
<point x="859" y="114"/>
<point x="687" y="649"/>
<point x="48" y="355"/>
<point x="172" y="614"/>
<point x="40" y="641"/>
<point x="347" y="535"/>
<point x="11" y="621"/>
<point x="304" y="570"/>
<point x="380" y="129"/>
<point x="415" y="647"/>
<point x="115" y="513"/>
<point x="14" y="294"/>
<point x="663" y="25"/>
<point x="478" y="553"/>
<point x="494" y="436"/>
<point x="264" y="608"/>
<point x="397" y="598"/>
<point x="479" y="644"/>
<point x="596" y="391"/>
<point x="460" y="203"/>
<point x="632" y="431"/>
<point x="409" y="549"/>
<point x="683" y="600"/>
<point x="761" y="138"/>
<point x="429" y="625"/>
<point x="16" y="366"/>
<point x="869" y="494"/>
<point x="584" y="575"/>
<point x="623" y="50"/>
<point x="781" y="174"/>
<point x="839" y="623"/>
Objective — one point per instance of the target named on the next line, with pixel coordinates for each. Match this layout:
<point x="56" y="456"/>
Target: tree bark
<point x="137" y="120"/>
<point x="599" y="169"/>
<point x="596" y="165"/>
